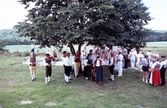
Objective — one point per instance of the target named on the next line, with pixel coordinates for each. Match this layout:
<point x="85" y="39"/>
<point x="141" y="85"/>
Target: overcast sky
<point x="12" y="12"/>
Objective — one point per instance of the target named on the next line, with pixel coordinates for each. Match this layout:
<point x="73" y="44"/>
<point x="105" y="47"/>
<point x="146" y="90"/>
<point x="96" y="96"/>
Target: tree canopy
<point x="94" y="22"/>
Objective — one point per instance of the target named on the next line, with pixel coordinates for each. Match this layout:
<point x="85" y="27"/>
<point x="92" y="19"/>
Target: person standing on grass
<point x="145" y="64"/>
<point x="111" y="67"/>
<point x="156" y="76"/>
<point x="119" y="61"/>
<point x="76" y="63"/>
<point x="132" y="57"/>
<point x="32" y="62"/>
<point x="125" y="55"/>
<point x="163" y="70"/>
<point x="87" y="67"/>
<point x="67" y="64"/>
<point x="149" y="54"/>
<point x="99" y="70"/>
<point x="32" y="46"/>
<point x="48" y="67"/>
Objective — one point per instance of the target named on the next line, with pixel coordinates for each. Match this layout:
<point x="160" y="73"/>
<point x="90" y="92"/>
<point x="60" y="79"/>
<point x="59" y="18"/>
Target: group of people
<point x="98" y="60"/>
<point x="154" y="68"/>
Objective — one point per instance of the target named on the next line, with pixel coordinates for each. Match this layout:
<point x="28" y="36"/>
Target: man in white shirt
<point x="67" y="66"/>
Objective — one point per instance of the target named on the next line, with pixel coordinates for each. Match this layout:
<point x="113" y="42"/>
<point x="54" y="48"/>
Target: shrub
<point x="16" y="54"/>
<point x="25" y="54"/>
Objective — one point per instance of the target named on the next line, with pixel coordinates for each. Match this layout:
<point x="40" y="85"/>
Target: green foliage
<point x="10" y="37"/>
<point x="25" y="54"/>
<point x="2" y="47"/>
<point x="155" y="36"/>
<point x="95" y="22"/>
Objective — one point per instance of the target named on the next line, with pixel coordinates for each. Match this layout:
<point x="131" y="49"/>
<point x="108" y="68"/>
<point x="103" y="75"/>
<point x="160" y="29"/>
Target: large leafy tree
<point x="95" y="22"/>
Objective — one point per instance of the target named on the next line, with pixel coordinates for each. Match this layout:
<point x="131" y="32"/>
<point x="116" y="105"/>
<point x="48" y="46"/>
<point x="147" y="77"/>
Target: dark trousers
<point x="67" y="70"/>
<point x="111" y="69"/>
<point x="163" y="70"/>
<point x="126" y="63"/>
<point x="48" y="70"/>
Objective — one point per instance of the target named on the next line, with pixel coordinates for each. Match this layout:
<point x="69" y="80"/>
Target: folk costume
<point x="99" y="70"/>
<point x="32" y="66"/>
<point x="144" y="63"/>
<point x="156" y="77"/>
<point x="48" y="68"/>
<point x="119" y="61"/>
<point x="88" y="67"/>
<point x="125" y="55"/>
<point x="67" y="63"/>
<point x="111" y="67"/>
<point x="132" y="57"/>
<point x="163" y="70"/>
<point x="76" y="64"/>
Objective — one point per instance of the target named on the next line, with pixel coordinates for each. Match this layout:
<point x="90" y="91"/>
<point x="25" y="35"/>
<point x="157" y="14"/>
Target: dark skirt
<point x="99" y="74"/>
<point x="87" y="71"/>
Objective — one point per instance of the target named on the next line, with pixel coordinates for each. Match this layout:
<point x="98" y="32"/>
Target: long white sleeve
<point x="44" y="62"/>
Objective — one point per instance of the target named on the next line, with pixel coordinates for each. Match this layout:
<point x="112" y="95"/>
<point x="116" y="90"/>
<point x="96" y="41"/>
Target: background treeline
<point x="10" y="37"/>
<point x="155" y="36"/>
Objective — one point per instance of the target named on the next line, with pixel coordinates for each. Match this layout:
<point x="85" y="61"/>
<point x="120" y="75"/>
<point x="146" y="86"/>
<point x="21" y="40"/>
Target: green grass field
<point x="23" y="48"/>
<point x="126" y="92"/>
<point x="156" y="44"/>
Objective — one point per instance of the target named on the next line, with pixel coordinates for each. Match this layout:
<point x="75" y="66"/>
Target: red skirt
<point x="156" y="78"/>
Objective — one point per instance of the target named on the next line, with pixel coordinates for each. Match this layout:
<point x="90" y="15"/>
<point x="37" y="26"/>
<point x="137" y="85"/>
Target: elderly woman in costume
<point x="156" y="76"/>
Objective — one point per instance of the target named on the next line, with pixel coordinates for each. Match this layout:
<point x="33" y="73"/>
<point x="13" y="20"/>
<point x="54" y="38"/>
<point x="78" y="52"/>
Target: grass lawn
<point x="126" y="92"/>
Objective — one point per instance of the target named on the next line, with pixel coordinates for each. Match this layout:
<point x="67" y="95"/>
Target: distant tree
<point x="95" y="22"/>
<point x="2" y="47"/>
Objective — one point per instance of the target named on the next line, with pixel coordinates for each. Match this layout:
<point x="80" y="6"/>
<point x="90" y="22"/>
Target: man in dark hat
<point x="163" y="70"/>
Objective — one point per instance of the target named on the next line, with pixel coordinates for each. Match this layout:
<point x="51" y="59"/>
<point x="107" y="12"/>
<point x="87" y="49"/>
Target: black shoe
<point x="32" y="80"/>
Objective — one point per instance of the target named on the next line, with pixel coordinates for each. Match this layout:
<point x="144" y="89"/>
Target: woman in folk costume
<point x="32" y="67"/>
<point x="132" y="57"/>
<point x="156" y="76"/>
<point x="119" y="61"/>
<point x="151" y="62"/>
<point x="99" y="70"/>
<point x="48" y="67"/>
<point x="111" y="66"/>
<point x="88" y="67"/>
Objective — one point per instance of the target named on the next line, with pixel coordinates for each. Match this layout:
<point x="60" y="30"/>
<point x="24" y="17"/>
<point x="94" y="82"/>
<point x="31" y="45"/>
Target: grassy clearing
<point x="126" y="92"/>
<point x="25" y="48"/>
<point x="157" y="44"/>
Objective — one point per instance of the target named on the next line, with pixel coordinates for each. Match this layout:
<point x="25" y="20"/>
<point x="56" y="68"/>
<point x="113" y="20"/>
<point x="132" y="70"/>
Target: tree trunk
<point x="72" y="49"/>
